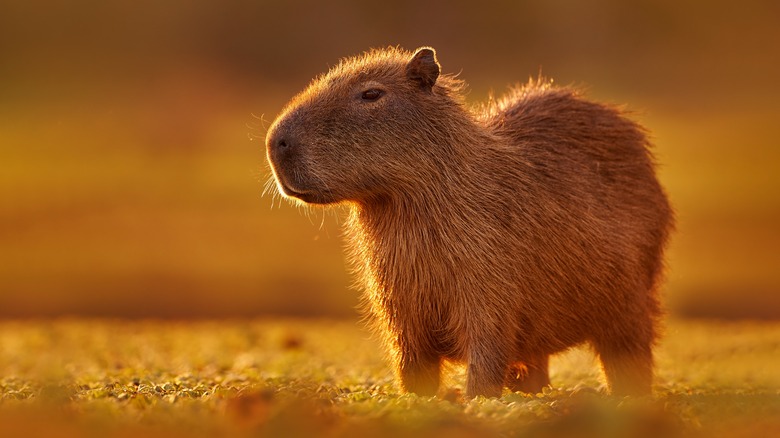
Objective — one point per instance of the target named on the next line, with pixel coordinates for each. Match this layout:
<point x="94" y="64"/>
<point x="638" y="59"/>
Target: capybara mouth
<point x="294" y="193"/>
<point x="286" y="187"/>
<point x="307" y="196"/>
<point x="293" y="187"/>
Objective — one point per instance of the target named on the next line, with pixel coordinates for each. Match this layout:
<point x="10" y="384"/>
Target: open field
<point x="329" y="378"/>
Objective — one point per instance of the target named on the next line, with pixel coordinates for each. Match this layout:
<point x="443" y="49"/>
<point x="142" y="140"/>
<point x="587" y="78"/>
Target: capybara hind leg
<point x="420" y="375"/>
<point x="530" y="376"/>
<point x="628" y="367"/>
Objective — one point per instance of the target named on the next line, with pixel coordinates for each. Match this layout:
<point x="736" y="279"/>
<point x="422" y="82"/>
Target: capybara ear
<point x="423" y="68"/>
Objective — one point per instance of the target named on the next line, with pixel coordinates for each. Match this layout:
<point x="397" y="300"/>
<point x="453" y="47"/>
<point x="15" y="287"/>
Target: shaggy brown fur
<point x="496" y="237"/>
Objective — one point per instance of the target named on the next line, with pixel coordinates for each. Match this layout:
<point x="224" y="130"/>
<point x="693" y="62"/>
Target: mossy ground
<point x="329" y="378"/>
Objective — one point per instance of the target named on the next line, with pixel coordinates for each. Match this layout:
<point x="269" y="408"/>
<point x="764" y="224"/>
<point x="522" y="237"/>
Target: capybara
<point x="494" y="236"/>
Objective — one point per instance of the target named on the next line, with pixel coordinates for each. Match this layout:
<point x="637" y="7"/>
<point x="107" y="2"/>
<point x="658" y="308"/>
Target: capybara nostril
<point x="282" y="145"/>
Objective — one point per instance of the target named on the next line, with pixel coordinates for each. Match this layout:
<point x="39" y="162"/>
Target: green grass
<point x="329" y="378"/>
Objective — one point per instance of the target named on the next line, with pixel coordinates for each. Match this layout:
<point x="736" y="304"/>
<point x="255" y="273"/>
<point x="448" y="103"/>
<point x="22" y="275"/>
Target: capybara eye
<point x="372" y="94"/>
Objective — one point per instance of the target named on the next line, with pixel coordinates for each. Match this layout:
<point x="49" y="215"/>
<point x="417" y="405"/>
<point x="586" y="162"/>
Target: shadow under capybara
<point x="493" y="236"/>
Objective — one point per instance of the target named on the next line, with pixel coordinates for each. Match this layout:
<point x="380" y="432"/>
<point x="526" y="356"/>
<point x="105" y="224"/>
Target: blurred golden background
<point x="132" y="157"/>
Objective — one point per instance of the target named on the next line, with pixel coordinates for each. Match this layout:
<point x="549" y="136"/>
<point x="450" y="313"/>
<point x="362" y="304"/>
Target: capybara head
<point x="358" y="131"/>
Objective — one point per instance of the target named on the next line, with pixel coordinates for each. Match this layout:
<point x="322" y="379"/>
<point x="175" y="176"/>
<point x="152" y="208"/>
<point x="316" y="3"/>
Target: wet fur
<point x="496" y="236"/>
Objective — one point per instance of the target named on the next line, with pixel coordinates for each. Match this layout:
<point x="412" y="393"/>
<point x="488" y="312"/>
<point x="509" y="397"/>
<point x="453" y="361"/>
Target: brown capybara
<point x="494" y="236"/>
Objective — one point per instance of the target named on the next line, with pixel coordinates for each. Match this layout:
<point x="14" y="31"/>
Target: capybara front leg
<point x="420" y="374"/>
<point x="530" y="375"/>
<point x="627" y="366"/>
<point x="486" y="372"/>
